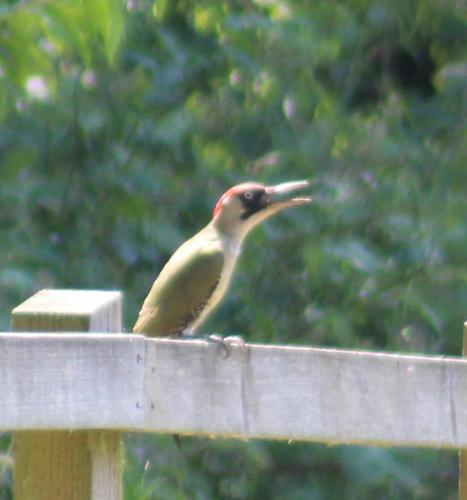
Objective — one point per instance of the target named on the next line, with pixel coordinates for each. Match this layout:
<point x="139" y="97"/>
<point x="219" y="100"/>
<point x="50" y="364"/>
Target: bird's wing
<point x="180" y="292"/>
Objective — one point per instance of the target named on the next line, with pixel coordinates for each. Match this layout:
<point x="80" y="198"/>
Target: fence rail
<point x="56" y="382"/>
<point x="128" y="382"/>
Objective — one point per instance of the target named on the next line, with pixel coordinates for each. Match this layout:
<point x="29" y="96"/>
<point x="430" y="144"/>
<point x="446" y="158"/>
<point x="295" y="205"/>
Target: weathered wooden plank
<point x="306" y="394"/>
<point x="105" y="450"/>
<point x="60" y="464"/>
<point x="62" y="469"/>
<point x="188" y="387"/>
<point x="70" y="381"/>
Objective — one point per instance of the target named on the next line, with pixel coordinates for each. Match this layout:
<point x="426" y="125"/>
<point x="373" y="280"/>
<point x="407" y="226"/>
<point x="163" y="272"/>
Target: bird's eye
<point x="248" y="195"/>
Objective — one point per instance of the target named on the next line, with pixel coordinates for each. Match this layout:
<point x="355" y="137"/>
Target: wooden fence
<point x="67" y="397"/>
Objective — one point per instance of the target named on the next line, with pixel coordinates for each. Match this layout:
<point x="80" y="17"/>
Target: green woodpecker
<point x="196" y="277"/>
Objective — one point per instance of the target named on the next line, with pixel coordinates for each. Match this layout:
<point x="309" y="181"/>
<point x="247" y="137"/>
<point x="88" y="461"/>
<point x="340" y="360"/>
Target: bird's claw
<point x="220" y="341"/>
<point x="226" y="342"/>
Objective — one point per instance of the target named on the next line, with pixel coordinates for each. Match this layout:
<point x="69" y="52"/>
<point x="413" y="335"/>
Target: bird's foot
<point x="235" y="340"/>
<point x="225" y="342"/>
<point x="217" y="339"/>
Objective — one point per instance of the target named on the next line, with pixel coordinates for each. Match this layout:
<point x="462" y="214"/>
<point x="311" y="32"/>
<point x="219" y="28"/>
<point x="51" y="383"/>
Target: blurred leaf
<point x="107" y="22"/>
<point x="64" y="28"/>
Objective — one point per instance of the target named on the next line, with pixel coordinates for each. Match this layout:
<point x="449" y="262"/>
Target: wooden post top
<point x="70" y="310"/>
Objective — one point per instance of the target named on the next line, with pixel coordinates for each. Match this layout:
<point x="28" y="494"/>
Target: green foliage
<point x="120" y="125"/>
<point x="6" y="486"/>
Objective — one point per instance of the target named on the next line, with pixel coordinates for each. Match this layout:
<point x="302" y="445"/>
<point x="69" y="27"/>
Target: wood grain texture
<point x="274" y="392"/>
<point x="60" y="464"/>
<point x="105" y="450"/>
<point x="70" y="381"/>
<point x="45" y="468"/>
<point x="307" y="394"/>
<point x="69" y="311"/>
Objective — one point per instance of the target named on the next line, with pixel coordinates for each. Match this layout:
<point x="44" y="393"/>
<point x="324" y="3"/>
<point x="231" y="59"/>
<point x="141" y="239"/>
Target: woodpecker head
<point x="244" y="206"/>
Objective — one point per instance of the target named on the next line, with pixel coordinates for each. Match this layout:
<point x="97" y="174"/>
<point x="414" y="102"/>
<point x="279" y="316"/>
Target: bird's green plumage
<point x="197" y="276"/>
<point x="182" y="289"/>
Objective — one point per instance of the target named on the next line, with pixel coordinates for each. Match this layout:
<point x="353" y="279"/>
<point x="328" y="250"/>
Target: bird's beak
<point x="281" y="196"/>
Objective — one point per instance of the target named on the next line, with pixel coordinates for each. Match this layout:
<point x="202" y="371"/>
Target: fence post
<point x="55" y="464"/>
<point x="463" y="453"/>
